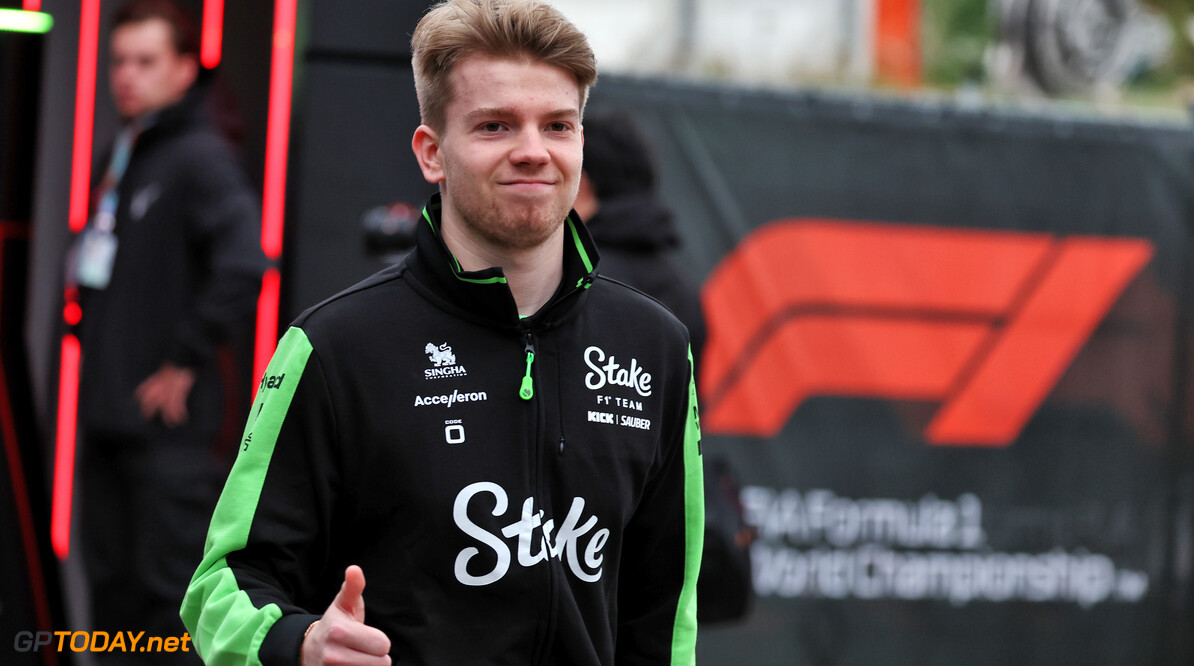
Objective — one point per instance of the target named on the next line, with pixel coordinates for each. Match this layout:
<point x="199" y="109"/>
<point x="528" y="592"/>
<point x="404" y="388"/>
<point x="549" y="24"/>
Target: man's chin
<point x="526" y="233"/>
<point x="127" y="113"/>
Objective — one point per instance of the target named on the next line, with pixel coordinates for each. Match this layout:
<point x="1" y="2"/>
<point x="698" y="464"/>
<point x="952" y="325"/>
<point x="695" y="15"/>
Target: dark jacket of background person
<point x="185" y="278"/>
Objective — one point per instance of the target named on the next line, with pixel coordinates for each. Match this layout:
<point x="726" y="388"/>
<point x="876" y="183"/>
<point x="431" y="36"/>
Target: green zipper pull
<point x="527" y="390"/>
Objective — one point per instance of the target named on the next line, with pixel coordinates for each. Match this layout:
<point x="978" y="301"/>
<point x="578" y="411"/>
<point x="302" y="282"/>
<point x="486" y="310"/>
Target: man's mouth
<point x="529" y="186"/>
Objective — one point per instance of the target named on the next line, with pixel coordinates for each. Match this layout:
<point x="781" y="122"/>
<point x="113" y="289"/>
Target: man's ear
<point x="188" y="71"/>
<point x="425" y="145"/>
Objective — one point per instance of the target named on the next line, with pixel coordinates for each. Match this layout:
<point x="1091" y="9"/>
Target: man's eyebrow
<point x="489" y="112"/>
<point x="569" y="114"/>
<point x="506" y="112"/>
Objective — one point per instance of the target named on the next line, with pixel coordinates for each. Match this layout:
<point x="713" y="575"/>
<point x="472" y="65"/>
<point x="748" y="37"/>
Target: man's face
<point x="147" y="73"/>
<point x="509" y="155"/>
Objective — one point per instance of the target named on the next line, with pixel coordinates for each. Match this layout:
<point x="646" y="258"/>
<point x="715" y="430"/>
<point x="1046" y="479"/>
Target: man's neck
<point x="532" y="275"/>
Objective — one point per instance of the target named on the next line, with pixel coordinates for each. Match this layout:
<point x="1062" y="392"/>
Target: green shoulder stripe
<point x="684" y="633"/>
<point x="223" y="622"/>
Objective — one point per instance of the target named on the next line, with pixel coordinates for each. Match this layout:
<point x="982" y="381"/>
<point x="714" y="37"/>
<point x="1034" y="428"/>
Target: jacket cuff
<point x="184" y="358"/>
<point x="284" y="642"/>
<point x="185" y="351"/>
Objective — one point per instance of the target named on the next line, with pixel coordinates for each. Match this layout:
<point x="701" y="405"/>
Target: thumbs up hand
<point x="341" y="636"/>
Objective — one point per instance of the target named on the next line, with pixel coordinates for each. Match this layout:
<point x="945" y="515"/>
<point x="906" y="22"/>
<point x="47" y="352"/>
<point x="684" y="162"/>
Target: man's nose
<point x="530" y="149"/>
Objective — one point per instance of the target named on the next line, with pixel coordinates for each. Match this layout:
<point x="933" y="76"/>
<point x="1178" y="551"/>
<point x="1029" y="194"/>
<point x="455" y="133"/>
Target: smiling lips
<point x="528" y="186"/>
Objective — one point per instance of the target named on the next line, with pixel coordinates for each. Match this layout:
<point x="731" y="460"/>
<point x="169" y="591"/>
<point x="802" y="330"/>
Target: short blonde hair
<point x="455" y="29"/>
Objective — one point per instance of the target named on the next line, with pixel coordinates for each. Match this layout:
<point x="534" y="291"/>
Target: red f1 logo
<point x="983" y="321"/>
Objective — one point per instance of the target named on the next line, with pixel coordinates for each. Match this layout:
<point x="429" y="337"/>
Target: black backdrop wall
<point x="355" y="111"/>
<point x="949" y="357"/>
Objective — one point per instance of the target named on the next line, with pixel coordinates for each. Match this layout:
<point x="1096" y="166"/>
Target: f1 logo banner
<point x="983" y="321"/>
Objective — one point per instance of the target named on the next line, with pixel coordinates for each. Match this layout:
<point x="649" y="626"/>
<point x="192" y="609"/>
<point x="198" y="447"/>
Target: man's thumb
<point x="349" y="598"/>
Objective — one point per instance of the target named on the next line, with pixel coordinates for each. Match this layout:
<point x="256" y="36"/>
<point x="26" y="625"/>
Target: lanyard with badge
<point x="98" y="242"/>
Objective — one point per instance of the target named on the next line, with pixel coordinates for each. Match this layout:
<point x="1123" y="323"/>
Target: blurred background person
<point x="635" y="232"/>
<point x="167" y="271"/>
<point x="637" y="237"/>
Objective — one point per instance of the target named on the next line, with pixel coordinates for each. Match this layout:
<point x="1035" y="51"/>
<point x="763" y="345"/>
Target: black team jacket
<point x="517" y="491"/>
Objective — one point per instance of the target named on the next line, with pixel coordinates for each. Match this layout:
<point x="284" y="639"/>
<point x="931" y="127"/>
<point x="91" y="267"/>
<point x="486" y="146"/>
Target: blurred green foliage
<point x="1179" y="13"/>
<point x="956" y="34"/>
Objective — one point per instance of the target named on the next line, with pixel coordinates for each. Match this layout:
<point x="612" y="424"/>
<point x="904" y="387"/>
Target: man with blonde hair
<point x="505" y="442"/>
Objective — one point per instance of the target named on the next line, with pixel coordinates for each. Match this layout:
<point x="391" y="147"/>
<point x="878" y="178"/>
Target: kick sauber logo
<point x="444" y="360"/>
<point x="983" y="322"/>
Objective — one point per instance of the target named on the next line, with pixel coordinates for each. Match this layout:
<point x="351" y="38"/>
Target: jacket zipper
<point x="527" y="390"/>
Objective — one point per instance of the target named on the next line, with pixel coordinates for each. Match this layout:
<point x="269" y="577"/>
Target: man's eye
<point x="558" y="127"/>
<point x="492" y="127"/>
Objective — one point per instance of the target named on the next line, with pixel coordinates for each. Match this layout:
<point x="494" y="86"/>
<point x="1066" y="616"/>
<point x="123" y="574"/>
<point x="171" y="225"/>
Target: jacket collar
<point x="636" y="221"/>
<point x="485" y="294"/>
<point x="173" y="119"/>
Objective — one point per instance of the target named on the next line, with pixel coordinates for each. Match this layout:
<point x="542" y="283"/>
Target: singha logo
<point x="441" y="355"/>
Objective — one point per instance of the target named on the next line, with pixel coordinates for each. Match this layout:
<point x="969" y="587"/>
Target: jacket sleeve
<point x="251" y="598"/>
<point x="225" y="230"/>
<point x="662" y="552"/>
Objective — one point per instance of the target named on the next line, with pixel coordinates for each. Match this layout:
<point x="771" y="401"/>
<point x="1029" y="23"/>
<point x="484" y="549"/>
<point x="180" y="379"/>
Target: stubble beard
<point x="511" y="227"/>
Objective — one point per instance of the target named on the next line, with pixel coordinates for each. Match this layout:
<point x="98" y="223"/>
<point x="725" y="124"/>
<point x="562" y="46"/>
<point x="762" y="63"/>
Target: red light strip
<point x="64" y="460"/>
<point x="32" y="5"/>
<point x="277" y="144"/>
<point x="267" y="323"/>
<point x="80" y="177"/>
<point x="68" y="372"/>
<point x="213" y="33"/>
<point x="278" y="129"/>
